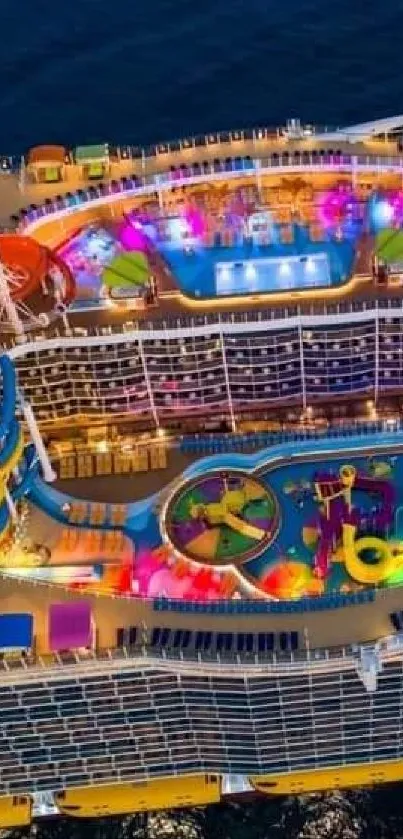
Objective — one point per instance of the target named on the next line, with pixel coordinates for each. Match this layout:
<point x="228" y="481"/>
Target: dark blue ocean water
<point x="76" y="71"/>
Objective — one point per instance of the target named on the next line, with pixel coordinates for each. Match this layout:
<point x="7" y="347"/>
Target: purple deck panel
<point x="263" y="523"/>
<point x="70" y="626"/>
<point x="186" y="531"/>
<point x="212" y="489"/>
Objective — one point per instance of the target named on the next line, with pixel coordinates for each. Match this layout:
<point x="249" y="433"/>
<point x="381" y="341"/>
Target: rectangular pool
<point x="271" y="274"/>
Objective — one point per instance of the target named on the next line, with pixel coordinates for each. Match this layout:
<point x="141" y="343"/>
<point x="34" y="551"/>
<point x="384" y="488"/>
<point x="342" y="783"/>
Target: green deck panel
<point x="180" y="511"/>
<point x="232" y="544"/>
<point x="389" y="245"/>
<point x="127" y="269"/>
<point x="259" y="509"/>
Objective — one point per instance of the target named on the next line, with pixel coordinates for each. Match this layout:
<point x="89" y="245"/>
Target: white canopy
<point x="363" y="131"/>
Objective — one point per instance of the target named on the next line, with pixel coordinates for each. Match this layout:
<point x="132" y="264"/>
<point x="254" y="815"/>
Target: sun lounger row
<point x="97" y="514"/>
<point x="90" y="543"/>
<point x="138" y="459"/>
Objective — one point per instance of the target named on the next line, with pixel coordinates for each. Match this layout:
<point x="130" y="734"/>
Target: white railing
<point x="231" y="323"/>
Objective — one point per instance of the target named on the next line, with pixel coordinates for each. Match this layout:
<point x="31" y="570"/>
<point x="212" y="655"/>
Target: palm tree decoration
<point x="294" y="187"/>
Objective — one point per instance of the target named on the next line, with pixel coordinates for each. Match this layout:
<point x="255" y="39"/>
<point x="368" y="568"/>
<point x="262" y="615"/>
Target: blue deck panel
<point x="16" y="631"/>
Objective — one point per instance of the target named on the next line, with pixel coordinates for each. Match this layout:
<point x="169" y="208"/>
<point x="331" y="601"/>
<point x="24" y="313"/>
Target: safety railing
<point x="30" y="667"/>
<point x="391" y="307"/>
<point x="217" y="443"/>
<point x="264" y="607"/>
<point x="13" y="163"/>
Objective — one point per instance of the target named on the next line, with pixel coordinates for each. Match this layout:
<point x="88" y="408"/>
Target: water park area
<point x="283" y="524"/>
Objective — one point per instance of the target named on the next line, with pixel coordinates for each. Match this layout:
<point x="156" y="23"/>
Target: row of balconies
<point x="273" y="368"/>
<point x="243" y="382"/>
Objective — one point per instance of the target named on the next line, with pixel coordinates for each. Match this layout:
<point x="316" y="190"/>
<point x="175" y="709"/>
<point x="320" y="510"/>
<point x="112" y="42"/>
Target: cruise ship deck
<point x="201" y="495"/>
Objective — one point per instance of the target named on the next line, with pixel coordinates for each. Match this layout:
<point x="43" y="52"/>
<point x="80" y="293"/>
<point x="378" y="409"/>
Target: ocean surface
<point x="138" y="71"/>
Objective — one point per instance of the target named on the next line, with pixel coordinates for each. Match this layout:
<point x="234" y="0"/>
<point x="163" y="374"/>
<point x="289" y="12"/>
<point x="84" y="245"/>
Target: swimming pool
<point x="251" y="268"/>
<point x="260" y="275"/>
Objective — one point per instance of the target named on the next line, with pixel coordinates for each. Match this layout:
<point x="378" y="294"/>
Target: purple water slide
<point x="330" y="532"/>
<point x="384" y="517"/>
<point x="322" y="555"/>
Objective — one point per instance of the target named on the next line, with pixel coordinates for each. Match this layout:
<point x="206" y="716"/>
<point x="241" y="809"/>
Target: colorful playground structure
<point x="224" y="517"/>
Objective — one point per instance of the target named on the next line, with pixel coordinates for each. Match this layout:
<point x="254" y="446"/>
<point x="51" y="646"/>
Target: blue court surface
<point x="250" y="268"/>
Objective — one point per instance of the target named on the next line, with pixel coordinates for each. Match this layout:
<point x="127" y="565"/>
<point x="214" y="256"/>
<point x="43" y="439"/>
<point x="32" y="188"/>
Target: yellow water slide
<point x="363" y="572"/>
<point x="6" y="470"/>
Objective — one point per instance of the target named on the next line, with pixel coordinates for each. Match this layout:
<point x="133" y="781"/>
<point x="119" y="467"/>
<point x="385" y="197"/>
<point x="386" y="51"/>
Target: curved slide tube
<point x="12" y="448"/>
<point x="10" y="456"/>
<point x="362" y="571"/>
<point x="8" y="403"/>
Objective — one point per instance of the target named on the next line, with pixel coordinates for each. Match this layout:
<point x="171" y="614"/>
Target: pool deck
<point x="171" y="303"/>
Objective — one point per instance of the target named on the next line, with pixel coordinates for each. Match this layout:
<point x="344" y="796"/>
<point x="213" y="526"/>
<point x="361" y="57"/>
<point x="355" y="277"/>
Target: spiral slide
<point x="29" y="264"/>
<point x="26" y="260"/>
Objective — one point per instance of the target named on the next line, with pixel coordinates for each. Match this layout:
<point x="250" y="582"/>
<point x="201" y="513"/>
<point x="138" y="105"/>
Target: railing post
<point x="227" y="381"/>
<point x="376" y="374"/>
<point x="302" y="362"/>
<point x="258" y="164"/>
<point x="354" y="172"/>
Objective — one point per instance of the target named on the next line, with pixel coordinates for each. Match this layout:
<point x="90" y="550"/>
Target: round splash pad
<point x="222" y="518"/>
